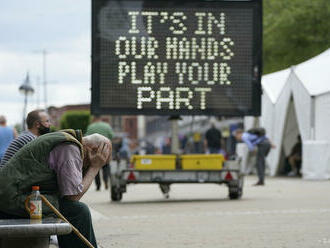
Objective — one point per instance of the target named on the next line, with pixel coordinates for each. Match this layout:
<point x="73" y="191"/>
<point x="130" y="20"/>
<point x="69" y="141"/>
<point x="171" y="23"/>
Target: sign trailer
<point x="176" y="57"/>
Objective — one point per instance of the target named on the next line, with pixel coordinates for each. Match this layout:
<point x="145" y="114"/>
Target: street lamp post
<point x="27" y="90"/>
<point x="44" y="76"/>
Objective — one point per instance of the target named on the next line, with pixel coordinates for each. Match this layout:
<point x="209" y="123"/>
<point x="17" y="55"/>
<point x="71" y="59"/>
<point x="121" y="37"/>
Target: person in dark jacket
<point x="213" y="138"/>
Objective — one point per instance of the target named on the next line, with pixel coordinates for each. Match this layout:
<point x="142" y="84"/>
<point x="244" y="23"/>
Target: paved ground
<point x="287" y="212"/>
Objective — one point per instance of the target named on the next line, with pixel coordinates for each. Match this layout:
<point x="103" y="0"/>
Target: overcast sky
<point x="62" y="28"/>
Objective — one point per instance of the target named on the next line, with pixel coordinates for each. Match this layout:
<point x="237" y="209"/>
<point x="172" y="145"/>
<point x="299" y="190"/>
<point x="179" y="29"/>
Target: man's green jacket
<point x="28" y="167"/>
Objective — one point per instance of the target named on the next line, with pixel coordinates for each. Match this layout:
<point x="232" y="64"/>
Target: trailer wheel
<point x="233" y="195"/>
<point x="236" y="191"/>
<point x="165" y="188"/>
<point x="116" y="194"/>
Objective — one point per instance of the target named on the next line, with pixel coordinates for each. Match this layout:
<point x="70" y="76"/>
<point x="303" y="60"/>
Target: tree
<point x="294" y="31"/>
<point x="75" y="120"/>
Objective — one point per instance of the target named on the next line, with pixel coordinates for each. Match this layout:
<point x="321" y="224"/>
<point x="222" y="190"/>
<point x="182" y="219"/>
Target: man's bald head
<point x="93" y="141"/>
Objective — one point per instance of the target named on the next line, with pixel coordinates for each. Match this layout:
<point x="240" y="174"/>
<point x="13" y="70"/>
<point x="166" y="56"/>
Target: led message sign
<point x="176" y="57"/>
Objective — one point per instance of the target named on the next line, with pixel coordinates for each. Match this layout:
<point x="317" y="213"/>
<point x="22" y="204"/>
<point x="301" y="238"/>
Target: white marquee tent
<point x="297" y="101"/>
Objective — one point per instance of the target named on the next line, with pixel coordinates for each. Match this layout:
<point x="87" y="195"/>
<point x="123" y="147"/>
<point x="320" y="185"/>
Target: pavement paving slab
<point x="286" y="213"/>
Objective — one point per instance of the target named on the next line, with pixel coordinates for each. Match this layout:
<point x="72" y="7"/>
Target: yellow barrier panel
<point x="202" y="161"/>
<point x="154" y="162"/>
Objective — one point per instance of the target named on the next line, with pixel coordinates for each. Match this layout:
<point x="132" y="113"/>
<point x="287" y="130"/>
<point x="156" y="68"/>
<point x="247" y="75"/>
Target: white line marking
<point x="225" y="213"/>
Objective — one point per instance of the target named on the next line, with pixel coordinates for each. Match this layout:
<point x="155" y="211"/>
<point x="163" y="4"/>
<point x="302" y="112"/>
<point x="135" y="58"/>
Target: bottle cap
<point x="35" y="187"/>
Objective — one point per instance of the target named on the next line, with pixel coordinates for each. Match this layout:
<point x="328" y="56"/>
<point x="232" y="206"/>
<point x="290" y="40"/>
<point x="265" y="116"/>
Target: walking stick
<point x="75" y="230"/>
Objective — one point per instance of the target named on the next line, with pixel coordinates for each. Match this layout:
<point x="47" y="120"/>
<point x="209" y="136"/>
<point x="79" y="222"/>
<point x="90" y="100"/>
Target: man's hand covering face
<point x="101" y="155"/>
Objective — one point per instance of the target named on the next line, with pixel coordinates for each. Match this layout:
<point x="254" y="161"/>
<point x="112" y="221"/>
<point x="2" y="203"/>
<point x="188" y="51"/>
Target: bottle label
<point x="35" y="209"/>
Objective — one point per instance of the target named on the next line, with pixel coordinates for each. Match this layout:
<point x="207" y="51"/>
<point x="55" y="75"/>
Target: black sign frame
<point x="256" y="72"/>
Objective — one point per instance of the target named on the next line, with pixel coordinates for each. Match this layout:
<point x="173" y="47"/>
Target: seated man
<point x="294" y="158"/>
<point x="64" y="165"/>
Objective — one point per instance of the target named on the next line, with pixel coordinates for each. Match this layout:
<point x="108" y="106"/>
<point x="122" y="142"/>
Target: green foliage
<point x="53" y="129"/>
<point x="75" y="120"/>
<point x="294" y="31"/>
<point x="18" y="127"/>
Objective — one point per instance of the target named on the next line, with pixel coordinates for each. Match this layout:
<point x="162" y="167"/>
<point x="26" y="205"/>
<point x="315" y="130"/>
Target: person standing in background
<point x="7" y="134"/>
<point x="166" y="148"/>
<point x="101" y="127"/>
<point x="197" y="138"/>
<point x="38" y="123"/>
<point x="257" y="142"/>
<point x="213" y="139"/>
